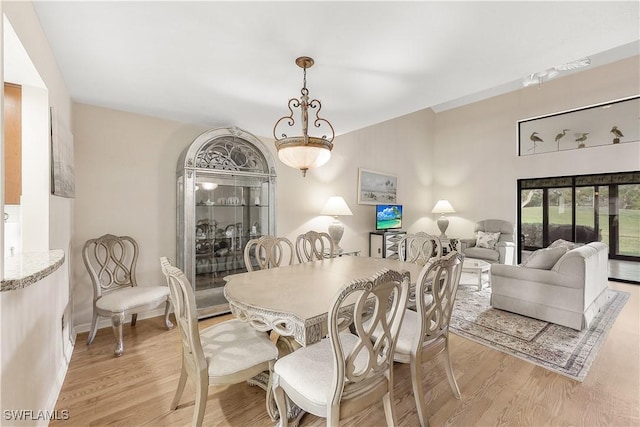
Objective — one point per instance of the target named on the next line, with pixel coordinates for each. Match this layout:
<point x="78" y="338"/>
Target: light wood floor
<point x="497" y="390"/>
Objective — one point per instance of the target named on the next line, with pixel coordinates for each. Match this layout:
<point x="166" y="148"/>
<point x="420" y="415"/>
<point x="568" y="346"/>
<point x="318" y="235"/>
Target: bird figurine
<point x="535" y="139"/>
<point x="581" y="138"/>
<point x="562" y="134"/>
<point x="616" y="132"/>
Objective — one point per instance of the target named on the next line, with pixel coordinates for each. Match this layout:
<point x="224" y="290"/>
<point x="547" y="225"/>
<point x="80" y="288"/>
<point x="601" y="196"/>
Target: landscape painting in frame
<point x="62" y="172"/>
<point x="376" y="188"/>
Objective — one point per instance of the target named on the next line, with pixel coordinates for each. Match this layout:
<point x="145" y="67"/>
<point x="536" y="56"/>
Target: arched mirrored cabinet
<point x="226" y="184"/>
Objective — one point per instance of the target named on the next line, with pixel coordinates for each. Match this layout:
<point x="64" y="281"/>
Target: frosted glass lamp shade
<point x="304" y="157"/>
<point x="336" y="206"/>
<point x="443" y="207"/>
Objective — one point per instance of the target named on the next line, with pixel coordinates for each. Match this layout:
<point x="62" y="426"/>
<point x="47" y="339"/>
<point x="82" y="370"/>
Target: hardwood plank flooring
<point x="497" y="389"/>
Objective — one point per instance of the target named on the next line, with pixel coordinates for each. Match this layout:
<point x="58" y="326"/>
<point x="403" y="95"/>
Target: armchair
<point x="498" y="248"/>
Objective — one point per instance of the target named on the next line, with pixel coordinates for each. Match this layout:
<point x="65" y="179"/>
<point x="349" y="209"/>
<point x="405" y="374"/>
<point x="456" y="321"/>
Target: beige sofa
<point x="569" y="292"/>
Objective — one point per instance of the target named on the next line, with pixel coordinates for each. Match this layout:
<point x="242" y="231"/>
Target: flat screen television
<point x="388" y="217"/>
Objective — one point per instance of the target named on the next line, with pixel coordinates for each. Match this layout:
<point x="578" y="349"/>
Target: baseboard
<point x="62" y="414"/>
<point x="105" y="322"/>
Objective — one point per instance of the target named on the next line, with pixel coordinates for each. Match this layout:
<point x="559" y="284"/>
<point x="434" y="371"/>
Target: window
<point x="582" y="209"/>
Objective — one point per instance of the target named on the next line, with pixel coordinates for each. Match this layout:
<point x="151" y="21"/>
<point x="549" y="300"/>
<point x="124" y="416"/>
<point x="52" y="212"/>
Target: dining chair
<point x="314" y="246"/>
<point x="111" y="262"/>
<point x="268" y="252"/>
<point x="424" y="334"/>
<point x="229" y="352"/>
<point x="344" y="373"/>
<point x="419" y="247"/>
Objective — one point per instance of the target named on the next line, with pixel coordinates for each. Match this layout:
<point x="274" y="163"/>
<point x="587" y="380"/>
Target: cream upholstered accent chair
<point x="419" y="248"/>
<point x="268" y="252"/>
<point x="493" y="242"/>
<point x="424" y="334"/>
<point x="111" y="262"/>
<point x="343" y="374"/>
<point x="229" y="352"/>
<point x="314" y="246"/>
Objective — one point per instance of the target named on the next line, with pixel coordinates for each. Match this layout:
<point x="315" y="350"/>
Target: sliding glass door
<point x="582" y="209"/>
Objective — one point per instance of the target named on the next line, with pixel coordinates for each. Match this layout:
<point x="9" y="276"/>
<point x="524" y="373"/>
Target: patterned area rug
<point x="557" y="348"/>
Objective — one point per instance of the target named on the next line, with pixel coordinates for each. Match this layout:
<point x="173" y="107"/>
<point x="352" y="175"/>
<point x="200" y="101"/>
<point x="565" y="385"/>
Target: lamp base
<point x="336" y="230"/>
<point x="443" y="223"/>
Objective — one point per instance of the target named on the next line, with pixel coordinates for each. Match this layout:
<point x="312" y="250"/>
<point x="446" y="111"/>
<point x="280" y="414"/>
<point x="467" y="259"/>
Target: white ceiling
<point x="232" y="63"/>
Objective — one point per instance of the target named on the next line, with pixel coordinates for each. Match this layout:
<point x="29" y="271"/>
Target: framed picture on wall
<point x="62" y="171"/>
<point x="375" y="188"/>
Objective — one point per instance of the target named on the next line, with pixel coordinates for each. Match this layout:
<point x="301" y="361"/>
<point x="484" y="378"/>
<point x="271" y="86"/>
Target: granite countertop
<point x="22" y="270"/>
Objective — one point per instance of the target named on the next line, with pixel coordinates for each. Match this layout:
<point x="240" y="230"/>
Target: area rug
<point x="557" y="348"/>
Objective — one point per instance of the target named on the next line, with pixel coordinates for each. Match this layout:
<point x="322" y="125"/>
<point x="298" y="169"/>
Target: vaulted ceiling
<point x="233" y="63"/>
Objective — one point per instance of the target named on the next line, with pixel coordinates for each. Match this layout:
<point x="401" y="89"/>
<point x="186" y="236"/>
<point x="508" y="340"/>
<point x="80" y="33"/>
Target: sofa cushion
<point x="487" y="240"/>
<point x="564" y="243"/>
<point x="490" y="255"/>
<point x="544" y="259"/>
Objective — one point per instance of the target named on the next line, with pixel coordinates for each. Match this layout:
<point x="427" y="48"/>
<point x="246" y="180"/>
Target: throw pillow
<point x="487" y="240"/>
<point x="564" y="243"/>
<point x="544" y="259"/>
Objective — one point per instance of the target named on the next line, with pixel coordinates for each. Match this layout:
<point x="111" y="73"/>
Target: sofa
<point x="566" y="287"/>
<point x="493" y="242"/>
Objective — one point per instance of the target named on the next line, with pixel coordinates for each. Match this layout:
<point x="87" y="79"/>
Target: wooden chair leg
<point x="389" y="407"/>
<point x="418" y="391"/>
<point x="449" y="369"/>
<point x="181" y="383"/>
<point x="116" y="322"/>
<point x="281" y="401"/>
<point x="202" y="392"/>
<point x="167" y="311"/>
<point x="94" y="328"/>
<point x="134" y="319"/>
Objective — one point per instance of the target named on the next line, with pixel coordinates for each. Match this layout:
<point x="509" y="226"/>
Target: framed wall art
<point x="376" y="188"/>
<point x="62" y="169"/>
<point x="609" y="123"/>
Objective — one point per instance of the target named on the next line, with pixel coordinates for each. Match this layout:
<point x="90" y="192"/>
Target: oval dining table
<point x="294" y="300"/>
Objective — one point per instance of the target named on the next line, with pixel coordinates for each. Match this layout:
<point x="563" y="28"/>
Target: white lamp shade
<point x="336" y="206"/>
<point x="442" y="207"/>
<point x="304" y="157"/>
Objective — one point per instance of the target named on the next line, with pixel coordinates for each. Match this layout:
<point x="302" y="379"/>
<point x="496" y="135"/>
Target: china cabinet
<point x="226" y="196"/>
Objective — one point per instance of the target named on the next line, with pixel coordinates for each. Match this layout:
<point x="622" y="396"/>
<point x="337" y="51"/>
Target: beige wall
<point x="477" y="165"/>
<point x="125" y="184"/>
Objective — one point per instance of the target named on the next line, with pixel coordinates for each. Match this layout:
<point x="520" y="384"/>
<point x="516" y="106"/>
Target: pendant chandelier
<point x="304" y="152"/>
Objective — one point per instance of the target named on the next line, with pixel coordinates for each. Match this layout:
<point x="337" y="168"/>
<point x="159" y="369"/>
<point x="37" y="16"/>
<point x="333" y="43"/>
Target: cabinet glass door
<point x="229" y="212"/>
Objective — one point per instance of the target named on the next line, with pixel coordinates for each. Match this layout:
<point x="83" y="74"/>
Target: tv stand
<point x="384" y="244"/>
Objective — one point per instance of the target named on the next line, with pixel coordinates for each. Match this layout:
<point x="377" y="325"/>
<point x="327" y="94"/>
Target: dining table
<point x="294" y="300"/>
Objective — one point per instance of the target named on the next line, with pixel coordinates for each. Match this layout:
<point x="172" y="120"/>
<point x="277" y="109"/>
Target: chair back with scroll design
<point x="228" y="352"/>
<point x="314" y="246"/>
<point x="111" y="262"/>
<point x="424" y="334"/>
<point x="418" y="248"/>
<point x="268" y="252"/>
<point x="347" y="372"/>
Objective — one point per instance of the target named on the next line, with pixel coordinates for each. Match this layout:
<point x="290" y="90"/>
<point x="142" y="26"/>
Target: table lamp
<point x="336" y="206"/>
<point x="443" y="207"/>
